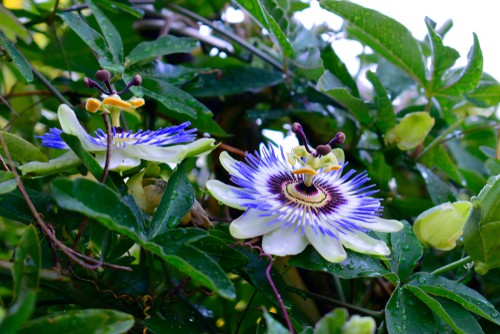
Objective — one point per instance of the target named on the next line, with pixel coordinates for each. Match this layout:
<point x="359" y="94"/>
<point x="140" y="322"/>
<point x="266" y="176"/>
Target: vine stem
<point x="439" y="138"/>
<point x="82" y="260"/>
<point x="452" y="265"/>
<point x="336" y="302"/>
<point x="271" y="282"/>
<point x="104" y="175"/>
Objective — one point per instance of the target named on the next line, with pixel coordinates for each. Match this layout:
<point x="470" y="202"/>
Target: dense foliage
<point x="93" y="249"/>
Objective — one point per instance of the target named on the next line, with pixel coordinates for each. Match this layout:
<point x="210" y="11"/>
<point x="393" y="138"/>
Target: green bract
<point x="441" y="226"/>
<point x="411" y="131"/>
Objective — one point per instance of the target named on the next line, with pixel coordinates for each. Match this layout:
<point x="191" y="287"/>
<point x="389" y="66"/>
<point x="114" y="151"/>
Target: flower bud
<point x="442" y="225"/>
<point x="359" y="325"/>
<point x="411" y="131"/>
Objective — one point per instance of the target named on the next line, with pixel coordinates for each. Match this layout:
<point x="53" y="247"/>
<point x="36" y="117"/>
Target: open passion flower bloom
<point x="168" y="145"/>
<point x="303" y="198"/>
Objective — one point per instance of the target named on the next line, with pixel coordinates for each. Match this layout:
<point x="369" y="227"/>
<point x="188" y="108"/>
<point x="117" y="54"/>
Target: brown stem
<point x="80" y="259"/>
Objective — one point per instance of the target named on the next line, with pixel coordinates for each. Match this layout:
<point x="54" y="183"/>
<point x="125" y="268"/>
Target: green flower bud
<point x="411" y="131"/>
<point x="359" y="325"/>
<point x="442" y="225"/>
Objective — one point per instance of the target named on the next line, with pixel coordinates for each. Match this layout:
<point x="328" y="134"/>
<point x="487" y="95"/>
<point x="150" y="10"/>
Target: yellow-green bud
<point x="411" y="131"/>
<point x="359" y="325"/>
<point x="442" y="225"/>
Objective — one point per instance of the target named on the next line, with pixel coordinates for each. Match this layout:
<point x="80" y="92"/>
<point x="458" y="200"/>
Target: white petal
<point x="382" y="225"/>
<point x="362" y="243"/>
<point x="69" y="124"/>
<point x="284" y="241"/>
<point x="66" y="161"/>
<point x="229" y="164"/>
<point x="225" y="193"/>
<point x="251" y="224"/>
<point x="329" y="248"/>
<point x="118" y="161"/>
<point x="171" y="154"/>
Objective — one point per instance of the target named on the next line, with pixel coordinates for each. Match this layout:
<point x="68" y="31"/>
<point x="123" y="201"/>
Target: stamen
<point x="304" y="170"/>
<point x="323" y="149"/>
<point x="299" y="131"/>
<point x="339" y="139"/>
<point x="137" y="81"/>
<point x="92" y="84"/>
<point x="103" y="76"/>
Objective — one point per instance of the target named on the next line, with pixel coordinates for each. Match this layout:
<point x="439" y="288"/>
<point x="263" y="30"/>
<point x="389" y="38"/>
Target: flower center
<point x="321" y="198"/>
<point x="301" y="194"/>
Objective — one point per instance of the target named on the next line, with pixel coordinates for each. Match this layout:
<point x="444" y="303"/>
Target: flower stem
<point x="452" y="265"/>
<point x="338" y="287"/>
<point x="439" y="138"/>
<point x="109" y="138"/>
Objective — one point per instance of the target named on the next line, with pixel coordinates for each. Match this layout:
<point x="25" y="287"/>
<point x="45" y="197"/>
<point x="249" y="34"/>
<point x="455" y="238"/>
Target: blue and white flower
<point x="299" y="200"/>
<point x="168" y="145"/>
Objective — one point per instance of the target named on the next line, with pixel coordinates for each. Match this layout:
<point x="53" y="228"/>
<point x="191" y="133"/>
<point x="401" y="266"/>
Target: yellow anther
<point x="92" y="105"/>
<point x="136" y="102"/>
<point x="116" y="102"/>
<point x="304" y="170"/>
<point x="333" y="168"/>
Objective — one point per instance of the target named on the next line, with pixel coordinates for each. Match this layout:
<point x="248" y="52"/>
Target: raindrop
<point x="405" y="247"/>
<point x="339" y="266"/>
<point x="494" y="314"/>
<point x="421" y="280"/>
<point x="350" y="266"/>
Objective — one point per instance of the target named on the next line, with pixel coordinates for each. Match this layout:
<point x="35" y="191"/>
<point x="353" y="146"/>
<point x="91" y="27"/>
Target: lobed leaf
<point x="383" y="34"/>
<point x="162" y="46"/>
<point x="406" y="251"/>
<point x="19" y="61"/>
<point x="386" y="118"/>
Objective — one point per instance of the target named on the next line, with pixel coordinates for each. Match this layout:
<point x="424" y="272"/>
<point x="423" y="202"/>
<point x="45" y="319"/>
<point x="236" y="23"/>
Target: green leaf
<point x="482" y="227"/>
<point x="176" y="248"/>
<point x="356" y="265"/>
<point x="7" y="182"/>
<point x="406" y="251"/>
<point x="438" y="157"/>
<point x="99" y="202"/>
<point x="453" y="314"/>
<point x="332" y="322"/>
<point x="88" y="321"/>
<point x="485" y="95"/>
<point x="442" y="57"/>
<point x="470" y="76"/>
<point x="111" y="35"/>
<point x="175" y="203"/>
<point x="162" y="46"/>
<point x="91" y="37"/>
<point x="230" y="81"/>
<point x="468" y="298"/>
<point x="26" y="276"/>
<point x="87" y="159"/>
<point x="386" y="118"/>
<point x="383" y="34"/>
<point x="270" y="12"/>
<point x="473" y="242"/>
<point x="328" y="84"/>
<point x="174" y="98"/>
<point x="11" y="26"/>
<point x="273" y="326"/>
<point x="13" y="205"/>
<point x="226" y="257"/>
<point x="334" y="65"/>
<point x="406" y="314"/>
<point x="310" y="63"/>
<point x="439" y="191"/>
<point x="20" y="150"/>
<point x="115" y="5"/>
<point x="19" y="61"/>
<point x="185" y="106"/>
